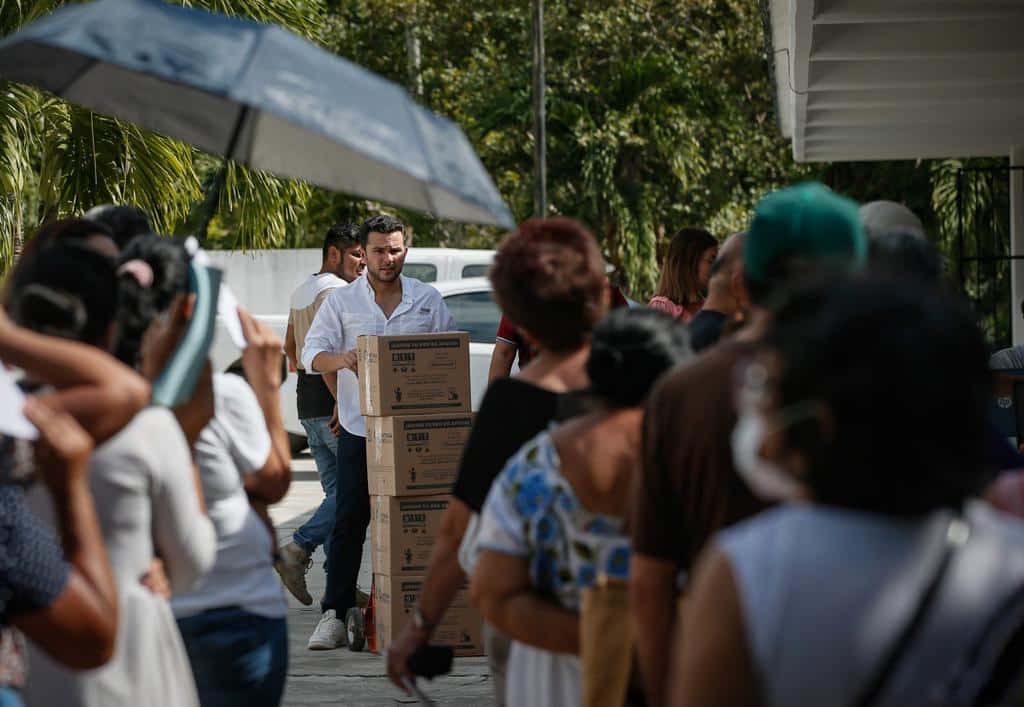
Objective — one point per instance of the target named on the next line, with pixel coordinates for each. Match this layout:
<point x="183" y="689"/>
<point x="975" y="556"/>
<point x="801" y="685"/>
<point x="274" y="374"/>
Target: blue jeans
<point x="10" y="697"/>
<point x="237" y="658"/>
<point x="324" y="447"/>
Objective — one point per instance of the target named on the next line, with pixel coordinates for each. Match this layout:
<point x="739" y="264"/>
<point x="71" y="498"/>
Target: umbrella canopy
<point x="259" y="95"/>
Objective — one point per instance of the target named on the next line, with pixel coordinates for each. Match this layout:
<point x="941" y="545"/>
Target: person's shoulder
<point x="762" y="531"/>
<point x="155" y="421"/>
<point x="1010" y="358"/>
<point x="534" y="464"/>
<point x="232" y="389"/>
<point x="340" y="290"/>
<point x="162" y="440"/>
<point x="504" y="391"/>
<point x="152" y="442"/>
<point x="707" y="367"/>
<point x="997" y="523"/>
<point x="310" y="288"/>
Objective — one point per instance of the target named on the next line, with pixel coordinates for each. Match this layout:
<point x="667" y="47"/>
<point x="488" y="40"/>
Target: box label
<point x="414" y="373"/>
<point x="461" y="626"/>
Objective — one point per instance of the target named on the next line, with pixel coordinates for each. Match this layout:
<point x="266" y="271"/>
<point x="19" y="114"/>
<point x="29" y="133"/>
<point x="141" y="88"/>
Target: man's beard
<point x="390" y="277"/>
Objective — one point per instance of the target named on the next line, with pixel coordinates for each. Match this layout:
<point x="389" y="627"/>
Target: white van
<point x="263" y="281"/>
<point x="443" y="264"/>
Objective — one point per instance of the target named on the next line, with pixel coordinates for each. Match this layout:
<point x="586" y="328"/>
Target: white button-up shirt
<point x="350" y="312"/>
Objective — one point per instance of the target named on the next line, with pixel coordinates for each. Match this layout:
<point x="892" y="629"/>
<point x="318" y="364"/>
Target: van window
<point x="477" y="313"/>
<point x="424" y="272"/>
<point x="475" y="270"/>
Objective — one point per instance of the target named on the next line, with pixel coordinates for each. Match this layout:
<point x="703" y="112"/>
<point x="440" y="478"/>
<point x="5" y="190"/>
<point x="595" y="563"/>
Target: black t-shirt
<point x="313" y="397"/>
<point x="512" y="413"/>
<point x="706" y="329"/>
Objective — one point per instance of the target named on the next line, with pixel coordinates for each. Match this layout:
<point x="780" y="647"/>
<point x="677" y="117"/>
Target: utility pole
<point x="540" y="184"/>
<point x="412" y="50"/>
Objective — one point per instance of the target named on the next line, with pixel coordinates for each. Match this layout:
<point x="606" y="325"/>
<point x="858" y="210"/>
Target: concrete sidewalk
<point x="341" y="677"/>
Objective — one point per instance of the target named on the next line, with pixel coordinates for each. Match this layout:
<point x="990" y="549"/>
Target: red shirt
<point x="508" y="332"/>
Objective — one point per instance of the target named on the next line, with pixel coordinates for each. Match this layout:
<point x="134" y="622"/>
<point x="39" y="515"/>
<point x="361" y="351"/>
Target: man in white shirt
<point x="381" y="303"/>
<point x="341" y="264"/>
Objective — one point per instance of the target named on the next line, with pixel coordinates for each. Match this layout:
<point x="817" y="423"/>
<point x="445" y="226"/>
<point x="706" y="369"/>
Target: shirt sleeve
<point x="185" y="538"/>
<point x="501" y="524"/>
<point x="239" y="411"/>
<point x="480" y="464"/>
<point x="445" y="321"/>
<point x="33" y="573"/>
<point x="507" y="332"/>
<point x="324" y="335"/>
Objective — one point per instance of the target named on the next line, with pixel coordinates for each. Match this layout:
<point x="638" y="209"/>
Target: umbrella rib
<point x="423" y="146"/>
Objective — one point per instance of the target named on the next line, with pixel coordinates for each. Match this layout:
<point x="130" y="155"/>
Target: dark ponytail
<point x="165" y="262"/>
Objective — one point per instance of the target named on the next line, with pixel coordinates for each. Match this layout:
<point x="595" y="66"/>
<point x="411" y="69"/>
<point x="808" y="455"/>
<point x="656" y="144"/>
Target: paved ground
<point x="342" y="677"/>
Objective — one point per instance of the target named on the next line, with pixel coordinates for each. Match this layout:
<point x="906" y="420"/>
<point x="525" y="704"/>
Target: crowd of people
<point x="782" y="483"/>
<point x="777" y="484"/>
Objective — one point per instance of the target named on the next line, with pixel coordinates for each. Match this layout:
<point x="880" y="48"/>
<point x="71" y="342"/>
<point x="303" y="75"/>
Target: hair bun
<point x="50" y="311"/>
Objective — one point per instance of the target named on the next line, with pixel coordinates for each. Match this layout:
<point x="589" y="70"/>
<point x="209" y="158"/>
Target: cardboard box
<point x="394" y="598"/>
<point x="413" y="374"/>
<point x="415" y="454"/>
<point x="403" y="532"/>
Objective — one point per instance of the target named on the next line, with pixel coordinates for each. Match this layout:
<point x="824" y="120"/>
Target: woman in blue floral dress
<point x="553" y="521"/>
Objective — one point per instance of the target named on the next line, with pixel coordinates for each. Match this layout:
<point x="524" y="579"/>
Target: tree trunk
<point x="18" y="233"/>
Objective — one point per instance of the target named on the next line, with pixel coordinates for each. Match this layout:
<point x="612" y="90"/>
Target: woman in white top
<point x="147" y="499"/>
<point x="233" y="620"/>
<point x="878" y="581"/>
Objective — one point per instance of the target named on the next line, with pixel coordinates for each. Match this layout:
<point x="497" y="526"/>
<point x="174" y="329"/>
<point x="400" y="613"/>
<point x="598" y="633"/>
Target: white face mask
<point x="767" y="480"/>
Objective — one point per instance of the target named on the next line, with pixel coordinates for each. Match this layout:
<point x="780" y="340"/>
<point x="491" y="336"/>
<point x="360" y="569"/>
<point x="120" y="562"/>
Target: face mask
<point x="767" y="480"/>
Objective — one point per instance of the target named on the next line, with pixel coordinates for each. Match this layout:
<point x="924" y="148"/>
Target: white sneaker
<point x="329" y="633"/>
<point x="292" y="564"/>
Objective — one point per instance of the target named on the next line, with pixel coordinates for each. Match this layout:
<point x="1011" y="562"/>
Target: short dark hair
<point x="125" y="222"/>
<point x="548" y="278"/>
<point x="379" y="224"/>
<point x="902" y="369"/>
<point x="903" y="253"/>
<point x="630" y="350"/>
<point x="341" y="236"/>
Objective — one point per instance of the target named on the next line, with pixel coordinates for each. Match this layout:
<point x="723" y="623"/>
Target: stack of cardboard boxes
<point x="414" y="392"/>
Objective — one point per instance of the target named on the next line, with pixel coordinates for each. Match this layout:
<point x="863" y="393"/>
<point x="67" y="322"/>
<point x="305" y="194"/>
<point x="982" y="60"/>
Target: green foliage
<point x="660" y="116"/>
<point x="58" y="159"/>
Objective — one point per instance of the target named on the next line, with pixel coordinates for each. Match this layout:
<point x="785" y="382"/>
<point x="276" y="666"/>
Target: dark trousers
<point x="351" y="519"/>
<point x="237" y="658"/>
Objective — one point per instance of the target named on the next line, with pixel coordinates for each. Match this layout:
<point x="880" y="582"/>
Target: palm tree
<point x="58" y="159"/>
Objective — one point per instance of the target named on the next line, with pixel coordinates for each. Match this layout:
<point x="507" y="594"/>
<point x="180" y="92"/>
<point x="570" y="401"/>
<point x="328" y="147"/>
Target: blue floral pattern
<point x="533" y="511"/>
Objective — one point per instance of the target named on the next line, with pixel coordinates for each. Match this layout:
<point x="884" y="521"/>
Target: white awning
<point x="899" y="79"/>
